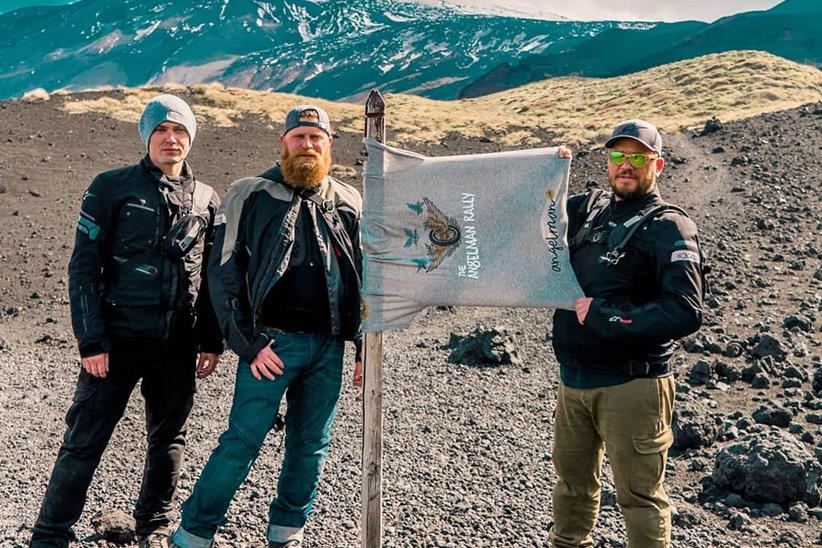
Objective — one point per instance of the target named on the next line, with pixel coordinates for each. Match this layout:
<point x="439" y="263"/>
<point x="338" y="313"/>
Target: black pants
<point x="167" y="370"/>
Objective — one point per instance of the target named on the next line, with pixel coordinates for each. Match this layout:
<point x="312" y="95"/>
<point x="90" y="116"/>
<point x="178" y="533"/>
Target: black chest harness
<point x="189" y="225"/>
<point x="616" y="238"/>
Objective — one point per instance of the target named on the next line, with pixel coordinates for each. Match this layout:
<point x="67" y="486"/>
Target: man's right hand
<point x="97" y="365"/>
<point x="267" y="364"/>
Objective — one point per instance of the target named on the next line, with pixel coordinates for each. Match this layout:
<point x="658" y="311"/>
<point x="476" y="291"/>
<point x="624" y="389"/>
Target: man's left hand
<point x="358" y="374"/>
<point x="581" y="306"/>
<point x="206" y="364"/>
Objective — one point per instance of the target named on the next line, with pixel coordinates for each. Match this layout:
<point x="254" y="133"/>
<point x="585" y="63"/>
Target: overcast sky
<point x="585" y="10"/>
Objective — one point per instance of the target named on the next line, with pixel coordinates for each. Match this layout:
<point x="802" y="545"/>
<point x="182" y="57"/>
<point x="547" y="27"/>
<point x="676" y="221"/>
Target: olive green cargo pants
<point x="632" y="423"/>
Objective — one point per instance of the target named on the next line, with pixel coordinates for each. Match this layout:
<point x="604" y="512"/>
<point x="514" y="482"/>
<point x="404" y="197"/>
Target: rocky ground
<point x="467" y="445"/>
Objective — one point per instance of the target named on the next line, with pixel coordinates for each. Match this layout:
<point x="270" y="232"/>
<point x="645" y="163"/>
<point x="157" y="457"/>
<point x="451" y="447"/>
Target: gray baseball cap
<point x="294" y="119"/>
<point x="638" y="130"/>
<point x="166" y="108"/>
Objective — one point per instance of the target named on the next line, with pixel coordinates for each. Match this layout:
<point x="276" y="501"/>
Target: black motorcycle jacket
<point x="641" y="303"/>
<point x="121" y="281"/>
<point x="254" y="238"/>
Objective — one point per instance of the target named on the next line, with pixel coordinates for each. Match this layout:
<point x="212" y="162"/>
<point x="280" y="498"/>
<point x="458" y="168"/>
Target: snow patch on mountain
<point x="193" y="74"/>
<point x="142" y="33"/>
<point x="103" y="44"/>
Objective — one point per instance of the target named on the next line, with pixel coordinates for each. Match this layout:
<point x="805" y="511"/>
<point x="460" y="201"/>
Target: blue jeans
<point x="311" y="381"/>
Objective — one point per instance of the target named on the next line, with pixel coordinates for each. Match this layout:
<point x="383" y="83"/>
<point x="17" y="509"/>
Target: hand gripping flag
<point x="475" y="230"/>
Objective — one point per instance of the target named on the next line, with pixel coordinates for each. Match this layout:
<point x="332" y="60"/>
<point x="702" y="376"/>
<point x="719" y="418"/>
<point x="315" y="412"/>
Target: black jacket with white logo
<point x="642" y="304"/>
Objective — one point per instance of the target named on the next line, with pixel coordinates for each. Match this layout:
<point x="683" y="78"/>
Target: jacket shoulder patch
<point x="685" y="255"/>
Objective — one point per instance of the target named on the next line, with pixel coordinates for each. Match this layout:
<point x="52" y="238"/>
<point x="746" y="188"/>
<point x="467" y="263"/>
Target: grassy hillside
<point x="730" y="85"/>
<point x="790" y="30"/>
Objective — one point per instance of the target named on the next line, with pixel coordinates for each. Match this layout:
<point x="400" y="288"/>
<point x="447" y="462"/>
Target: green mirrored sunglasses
<point x="636" y="160"/>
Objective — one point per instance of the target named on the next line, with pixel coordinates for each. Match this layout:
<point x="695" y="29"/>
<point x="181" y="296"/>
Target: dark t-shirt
<point x="299" y="300"/>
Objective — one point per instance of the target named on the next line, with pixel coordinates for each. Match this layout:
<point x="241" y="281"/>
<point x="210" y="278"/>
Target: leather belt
<point x="633" y="368"/>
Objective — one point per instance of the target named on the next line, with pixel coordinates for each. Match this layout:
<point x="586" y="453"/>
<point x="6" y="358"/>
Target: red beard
<point x="305" y="169"/>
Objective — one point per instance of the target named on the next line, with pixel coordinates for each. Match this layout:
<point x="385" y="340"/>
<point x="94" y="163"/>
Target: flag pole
<point x="372" y="383"/>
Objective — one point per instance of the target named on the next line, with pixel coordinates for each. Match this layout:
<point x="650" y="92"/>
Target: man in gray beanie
<point x="140" y="312"/>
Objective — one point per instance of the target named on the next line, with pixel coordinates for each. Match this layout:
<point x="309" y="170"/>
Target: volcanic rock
<point x="740" y="522"/>
<point x="799" y="321"/>
<point x="789" y="539"/>
<point x="733" y="350"/>
<point x="114" y="526"/>
<point x="693" y="426"/>
<point x="817" y="380"/>
<point x="727" y="372"/>
<point x="711" y="126"/>
<point x="772" y="415"/>
<point x="701" y="343"/>
<point x="769" y="467"/>
<point x="798" y="512"/>
<point x="793" y="372"/>
<point x="699" y="373"/>
<point x="484" y="347"/>
<point x="761" y="380"/>
<point x="769" y="346"/>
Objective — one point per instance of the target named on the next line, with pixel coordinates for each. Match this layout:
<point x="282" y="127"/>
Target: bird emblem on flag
<point x="443" y="233"/>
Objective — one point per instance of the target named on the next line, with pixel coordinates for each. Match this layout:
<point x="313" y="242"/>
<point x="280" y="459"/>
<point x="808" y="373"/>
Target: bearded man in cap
<point x="285" y="282"/>
<point x="140" y="312"/>
<point x="639" y="262"/>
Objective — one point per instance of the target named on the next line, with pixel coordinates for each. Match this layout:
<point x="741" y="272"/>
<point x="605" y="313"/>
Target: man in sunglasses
<point x="139" y="313"/>
<point x="639" y="263"/>
<point x="285" y="281"/>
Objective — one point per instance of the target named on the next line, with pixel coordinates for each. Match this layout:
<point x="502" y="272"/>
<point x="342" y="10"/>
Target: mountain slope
<point x="331" y="48"/>
<point x="790" y="30"/>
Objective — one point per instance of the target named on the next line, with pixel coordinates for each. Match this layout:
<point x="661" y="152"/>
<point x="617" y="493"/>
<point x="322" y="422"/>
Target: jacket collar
<point x="186" y="176"/>
<point x="630" y="207"/>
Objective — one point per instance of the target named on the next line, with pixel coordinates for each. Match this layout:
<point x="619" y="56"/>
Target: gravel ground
<point x="467" y="448"/>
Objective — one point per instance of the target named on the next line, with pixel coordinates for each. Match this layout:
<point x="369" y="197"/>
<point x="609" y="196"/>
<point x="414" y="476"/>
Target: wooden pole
<point x="372" y="384"/>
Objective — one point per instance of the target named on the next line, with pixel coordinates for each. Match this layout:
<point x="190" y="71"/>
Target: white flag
<point x="475" y="230"/>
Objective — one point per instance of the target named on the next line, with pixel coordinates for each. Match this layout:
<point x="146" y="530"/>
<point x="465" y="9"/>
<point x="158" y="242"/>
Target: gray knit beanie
<point x="166" y="108"/>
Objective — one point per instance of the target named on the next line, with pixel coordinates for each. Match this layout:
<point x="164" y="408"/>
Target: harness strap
<point x="622" y="234"/>
<point x="597" y="201"/>
<point x="326" y="206"/>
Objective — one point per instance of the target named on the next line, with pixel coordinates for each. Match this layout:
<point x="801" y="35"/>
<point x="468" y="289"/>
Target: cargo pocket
<point x="648" y="464"/>
<point x="86" y="386"/>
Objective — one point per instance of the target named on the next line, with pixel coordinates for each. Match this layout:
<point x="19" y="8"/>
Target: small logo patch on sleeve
<point x="685" y="255"/>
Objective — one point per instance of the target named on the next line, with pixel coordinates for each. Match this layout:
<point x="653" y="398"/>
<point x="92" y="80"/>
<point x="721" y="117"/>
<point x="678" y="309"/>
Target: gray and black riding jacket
<point x="254" y="239"/>
<point x="644" y="298"/>
<point x="122" y="283"/>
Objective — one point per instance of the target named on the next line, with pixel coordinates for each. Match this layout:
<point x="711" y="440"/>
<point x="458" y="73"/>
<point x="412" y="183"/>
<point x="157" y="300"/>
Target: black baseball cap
<point x="638" y="130"/>
<point x="294" y="118"/>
